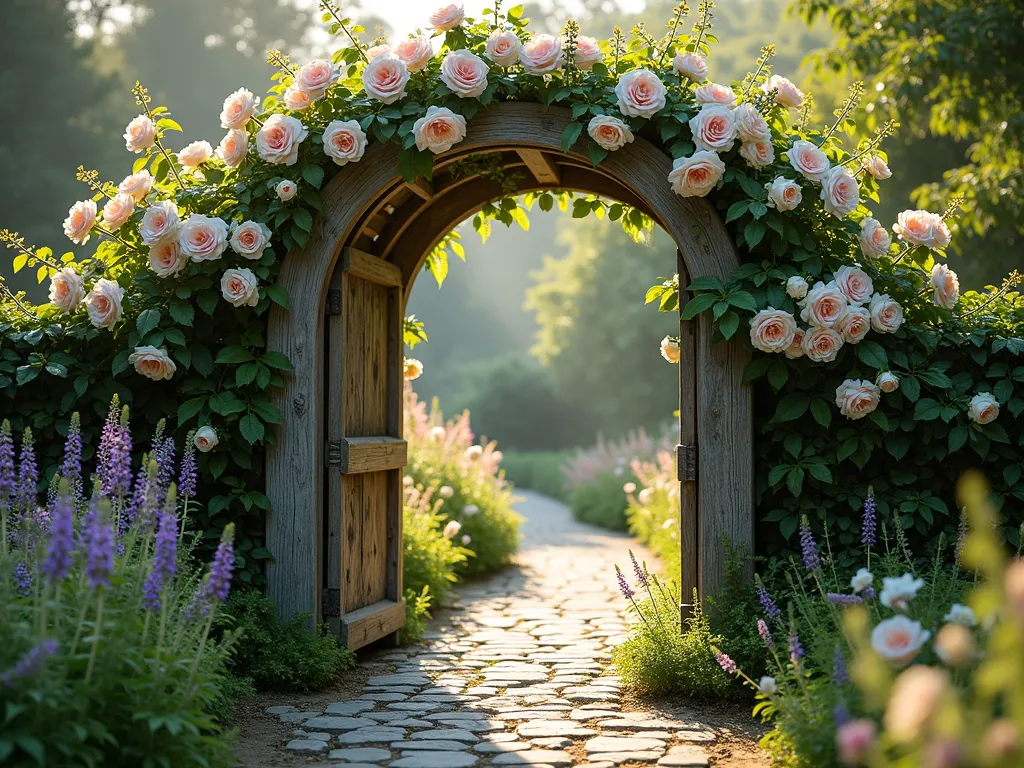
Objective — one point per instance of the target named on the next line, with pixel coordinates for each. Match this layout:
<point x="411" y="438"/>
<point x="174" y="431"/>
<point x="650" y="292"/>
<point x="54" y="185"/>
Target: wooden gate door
<point x="686" y="451"/>
<point x="362" y="590"/>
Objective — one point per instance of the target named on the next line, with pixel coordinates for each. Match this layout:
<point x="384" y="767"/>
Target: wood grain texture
<point x="372" y="454"/>
<point x="543" y="168"/>
<point x="689" y="501"/>
<point x="372" y="268"/>
<point x="373" y="622"/>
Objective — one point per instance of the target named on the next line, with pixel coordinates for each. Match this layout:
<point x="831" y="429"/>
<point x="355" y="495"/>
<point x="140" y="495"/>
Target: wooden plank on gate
<point x="372" y="454"/>
<point x="373" y="622"/>
<point x="372" y="268"/>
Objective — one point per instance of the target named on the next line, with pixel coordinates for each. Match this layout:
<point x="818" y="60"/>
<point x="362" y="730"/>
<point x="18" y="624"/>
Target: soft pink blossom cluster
<point x="614" y="456"/>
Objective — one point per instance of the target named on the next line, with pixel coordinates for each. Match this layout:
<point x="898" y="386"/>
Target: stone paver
<point x="515" y="673"/>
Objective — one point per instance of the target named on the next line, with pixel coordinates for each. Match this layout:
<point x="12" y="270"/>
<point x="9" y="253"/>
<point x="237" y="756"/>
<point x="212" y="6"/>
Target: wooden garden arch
<point x="334" y="468"/>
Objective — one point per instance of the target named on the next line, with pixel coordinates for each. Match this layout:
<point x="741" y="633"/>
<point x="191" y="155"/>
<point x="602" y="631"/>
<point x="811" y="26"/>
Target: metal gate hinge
<point x="687" y="461"/>
<point x="330" y="602"/>
<point x="333" y="301"/>
<point x="332" y="453"/>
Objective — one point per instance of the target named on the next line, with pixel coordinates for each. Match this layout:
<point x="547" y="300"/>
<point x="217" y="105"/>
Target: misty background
<point x="541" y="334"/>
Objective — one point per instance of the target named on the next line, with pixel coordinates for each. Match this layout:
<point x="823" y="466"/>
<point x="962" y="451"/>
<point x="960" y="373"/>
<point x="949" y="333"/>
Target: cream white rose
<point x="503" y="47"/>
<point x="821" y="345"/>
<point x="945" y="286"/>
<point x="166" y="258"/>
<point x="962" y="615"/>
<point x="104" y="303"/>
<point x="160" y="222"/>
<point x="286" y="190"/>
<point x="691" y="66"/>
<point x="203" y="238"/>
<point x="152" y="363"/>
<point x="140" y="134"/>
<point x="452" y="529"/>
<point x="796" y="287"/>
<point x="195" y="154"/>
<point x="447" y="17"/>
<point x="67" y="290"/>
<point x="898" y="591"/>
<point x="232" y="147"/>
<point x="415" y="52"/>
<point x="758" y="154"/>
<point x="670" y="349"/>
<point x="344" y="141"/>
<point x="840" y="192"/>
<point x="922" y="228"/>
<point x="783" y="194"/>
<point x="857" y="398"/>
<point x="796" y="349"/>
<point x="772" y="330"/>
<point x="464" y="73"/>
<point x="385" y="78"/>
<point x="138" y="185"/>
<point x="118" y="210"/>
<point x="205" y="439"/>
<point x="808" y="160"/>
<point x="877" y="167"/>
<point x="862" y="581"/>
<point x="750" y="124"/>
<point x="588" y="52"/>
<point x="378" y="50"/>
<point x="697" y="175"/>
<point x="788" y="95"/>
<point x="713" y="128"/>
<point x="609" y="132"/>
<point x="855" y="283"/>
<point x="715" y="93"/>
<point x="767" y="686"/>
<point x="887" y="381"/>
<point x="249" y="239"/>
<point x="823" y="305"/>
<point x="874" y="239"/>
<point x="886" y="313"/>
<point x="439" y="130"/>
<point x="239" y="287"/>
<point x="413" y="369"/>
<point x="315" y="77"/>
<point x="238" y="109"/>
<point x="80" y="221"/>
<point x="854" y="324"/>
<point x="640" y="93"/>
<point x="984" y="408"/>
<point x="542" y="54"/>
<point x="278" y="139"/>
<point x="898" y="640"/>
<point x="297" y="99"/>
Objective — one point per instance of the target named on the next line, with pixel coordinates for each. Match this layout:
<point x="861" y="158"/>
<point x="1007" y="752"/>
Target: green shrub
<point x="602" y="502"/>
<point x="429" y="557"/>
<point x="277" y="654"/>
<point x="540" y="471"/>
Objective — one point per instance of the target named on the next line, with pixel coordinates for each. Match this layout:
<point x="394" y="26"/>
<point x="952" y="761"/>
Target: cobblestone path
<point x="517" y="673"/>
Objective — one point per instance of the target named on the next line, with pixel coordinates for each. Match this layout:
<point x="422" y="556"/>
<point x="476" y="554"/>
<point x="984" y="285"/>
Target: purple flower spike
<point x="624" y="588"/>
<point x="726" y="663"/>
<point x="22" y="578"/>
<point x="187" y="478"/>
<point x="641" y="576"/>
<point x="62" y="537"/>
<point x="839" y="668"/>
<point x="28" y="474"/>
<point x="765" y="633"/>
<point x="30" y="662"/>
<point x="869" y="593"/>
<point x="7" y="484"/>
<point x="164" y="559"/>
<point x="796" y="650"/>
<point x="771" y="610"/>
<point x="114" y="465"/>
<point x="99" y="540"/>
<point x="165" y="468"/>
<point x="808" y="549"/>
<point x="844" y="600"/>
<point x="869" y="523"/>
<point x="71" y="468"/>
<point x="841" y="715"/>
<point x="223" y="565"/>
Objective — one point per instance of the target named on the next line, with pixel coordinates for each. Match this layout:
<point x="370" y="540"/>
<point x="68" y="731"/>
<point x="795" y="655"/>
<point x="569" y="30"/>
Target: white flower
<point x="250" y="238"/>
<point x="840" y="192"/>
<point x="645" y="497"/>
<point x="503" y="47"/>
<point x="439" y="130"/>
<point x="821" y="345"/>
<point x="278" y="139"/>
<point x="344" y="141"/>
<point x="629" y="488"/>
<point x="767" y="686"/>
<point x="640" y="93"/>
<point x="808" y="160"/>
<point x="118" y="210"/>
<point x="824" y="305"/>
<point x="138" y="185"/>
<point x="437" y="433"/>
<point x="609" y="132"/>
<point x="862" y="580"/>
<point x="697" y="175"/>
<point x="446" y="491"/>
<point x="877" y="167"/>
<point x="855" y="283"/>
<point x="542" y="54"/>
<point x="961" y="614"/>
<point x="286" y="190"/>
<point x="203" y="238"/>
<point x="466" y="539"/>
<point x="407" y="481"/>
<point x="772" y="330"/>
<point x="447" y="17"/>
<point x="898" y="592"/>
<point x="140" y="134"/>
<point x="474" y="452"/>
<point x="788" y="95"/>
<point x="874" y="239"/>
<point x="80" y="221"/>
<point x="205" y="439"/>
<point x="922" y="228"/>
<point x="713" y="128"/>
<point x="470" y="509"/>
<point x="670" y="349"/>
<point x="945" y="286"/>
<point x="193" y="155"/>
<point x="238" y="108"/>
<point x="783" y="194"/>
<point x="166" y="258"/>
<point x="452" y="529"/>
<point x="750" y="124"/>
<point x="416" y="52"/>
<point x="984" y="408"/>
<point x="854" y="324"/>
<point x="152" y="363"/>
<point x="315" y="77"/>
<point x="714" y="93"/>
<point x="239" y="287"/>
<point x="160" y="222"/>
<point x="886" y="313"/>
<point x="857" y="398"/>
<point x="232" y="147"/>
<point x="464" y="73"/>
<point x="796" y="287"/>
<point x="104" y="303"/>
<point x="413" y="369"/>
<point x="898" y="640"/>
<point x="887" y="381"/>
<point x="691" y="66"/>
<point x="758" y="154"/>
<point x="66" y="290"/>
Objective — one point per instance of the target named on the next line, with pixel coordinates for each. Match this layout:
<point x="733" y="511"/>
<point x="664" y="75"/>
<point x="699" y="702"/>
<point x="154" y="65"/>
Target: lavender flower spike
<point x="99" y="541"/>
<point x="30" y="662"/>
<point x="765" y="633"/>
<point x="7" y="485"/>
<point x="28" y="474"/>
<point x="71" y="468"/>
<point x="808" y="549"/>
<point x="22" y="578"/>
<point x="839" y="676"/>
<point x="869" y="523"/>
<point x="187" y="478"/>
<point x="771" y="610"/>
<point x="624" y="588"/>
<point x="844" y="600"/>
<point x="641" y="575"/>
<point x="62" y="537"/>
<point x="223" y="565"/>
<point x="796" y="650"/>
<point x="164" y="558"/>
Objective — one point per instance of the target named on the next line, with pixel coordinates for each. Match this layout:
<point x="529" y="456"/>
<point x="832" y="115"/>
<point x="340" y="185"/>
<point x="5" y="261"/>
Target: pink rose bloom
<point x="277" y="141"/>
<point x="286" y="190"/>
<point x="160" y="222"/>
<point x="783" y="194"/>
<point x="886" y="313"/>
<point x="232" y="147"/>
<point x="447" y="17"/>
<point x="80" y="221"/>
<point x="840" y="192"/>
<point x="344" y="141"/>
<point x="1015" y="588"/>
<point x="899" y="639"/>
<point x="378" y="50"/>
<point x="588" y="52"/>
<point x="824" y="305"/>
<point x="696" y="175"/>
<point x="855" y="283"/>
<point x="104" y="303"/>
<point x="877" y="167"/>
<point x="439" y="130"/>
<point x="788" y="95"/>
<point x="195" y="154"/>
<point x="138" y="185"/>
<point x="503" y="47"/>
<point x="945" y="286"/>
<point x="758" y="154"/>
<point x="857" y="398"/>
<point x="922" y="228"/>
<point x="714" y="93"/>
<point x="808" y="160"/>
<point x="887" y="381"/>
<point x="315" y="77"/>
<point x="983" y="409"/>
<point x="821" y="345"/>
<point x="203" y="238"/>
<point x="874" y="239"/>
<point x="152" y="363"/>
<point x="772" y="330"/>
<point x="713" y="128"/>
<point x="854" y="739"/>
<point x="609" y="132"/>
<point x="249" y="239"/>
<point x="118" y="210"/>
<point x="464" y="73"/>
<point x="296" y="99"/>
<point x="917" y="692"/>
<point x="542" y="54"/>
<point x="854" y="324"/>
<point x="691" y="66"/>
<point x="415" y="52"/>
<point x="166" y="258"/>
<point x="796" y="349"/>
<point x="640" y="93"/>
<point x="239" y="287"/>
<point x="750" y="124"/>
<point x="140" y="134"/>
<point x="238" y="109"/>
<point x="385" y="78"/>
<point x="66" y="290"/>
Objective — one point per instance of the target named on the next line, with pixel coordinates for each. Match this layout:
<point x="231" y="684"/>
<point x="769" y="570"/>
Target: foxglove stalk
<point x="30" y="662"/>
<point x="57" y="563"/>
<point x="808" y="549"/>
<point x="725" y="662"/>
<point x="869" y="523"/>
<point x="766" y="634"/>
